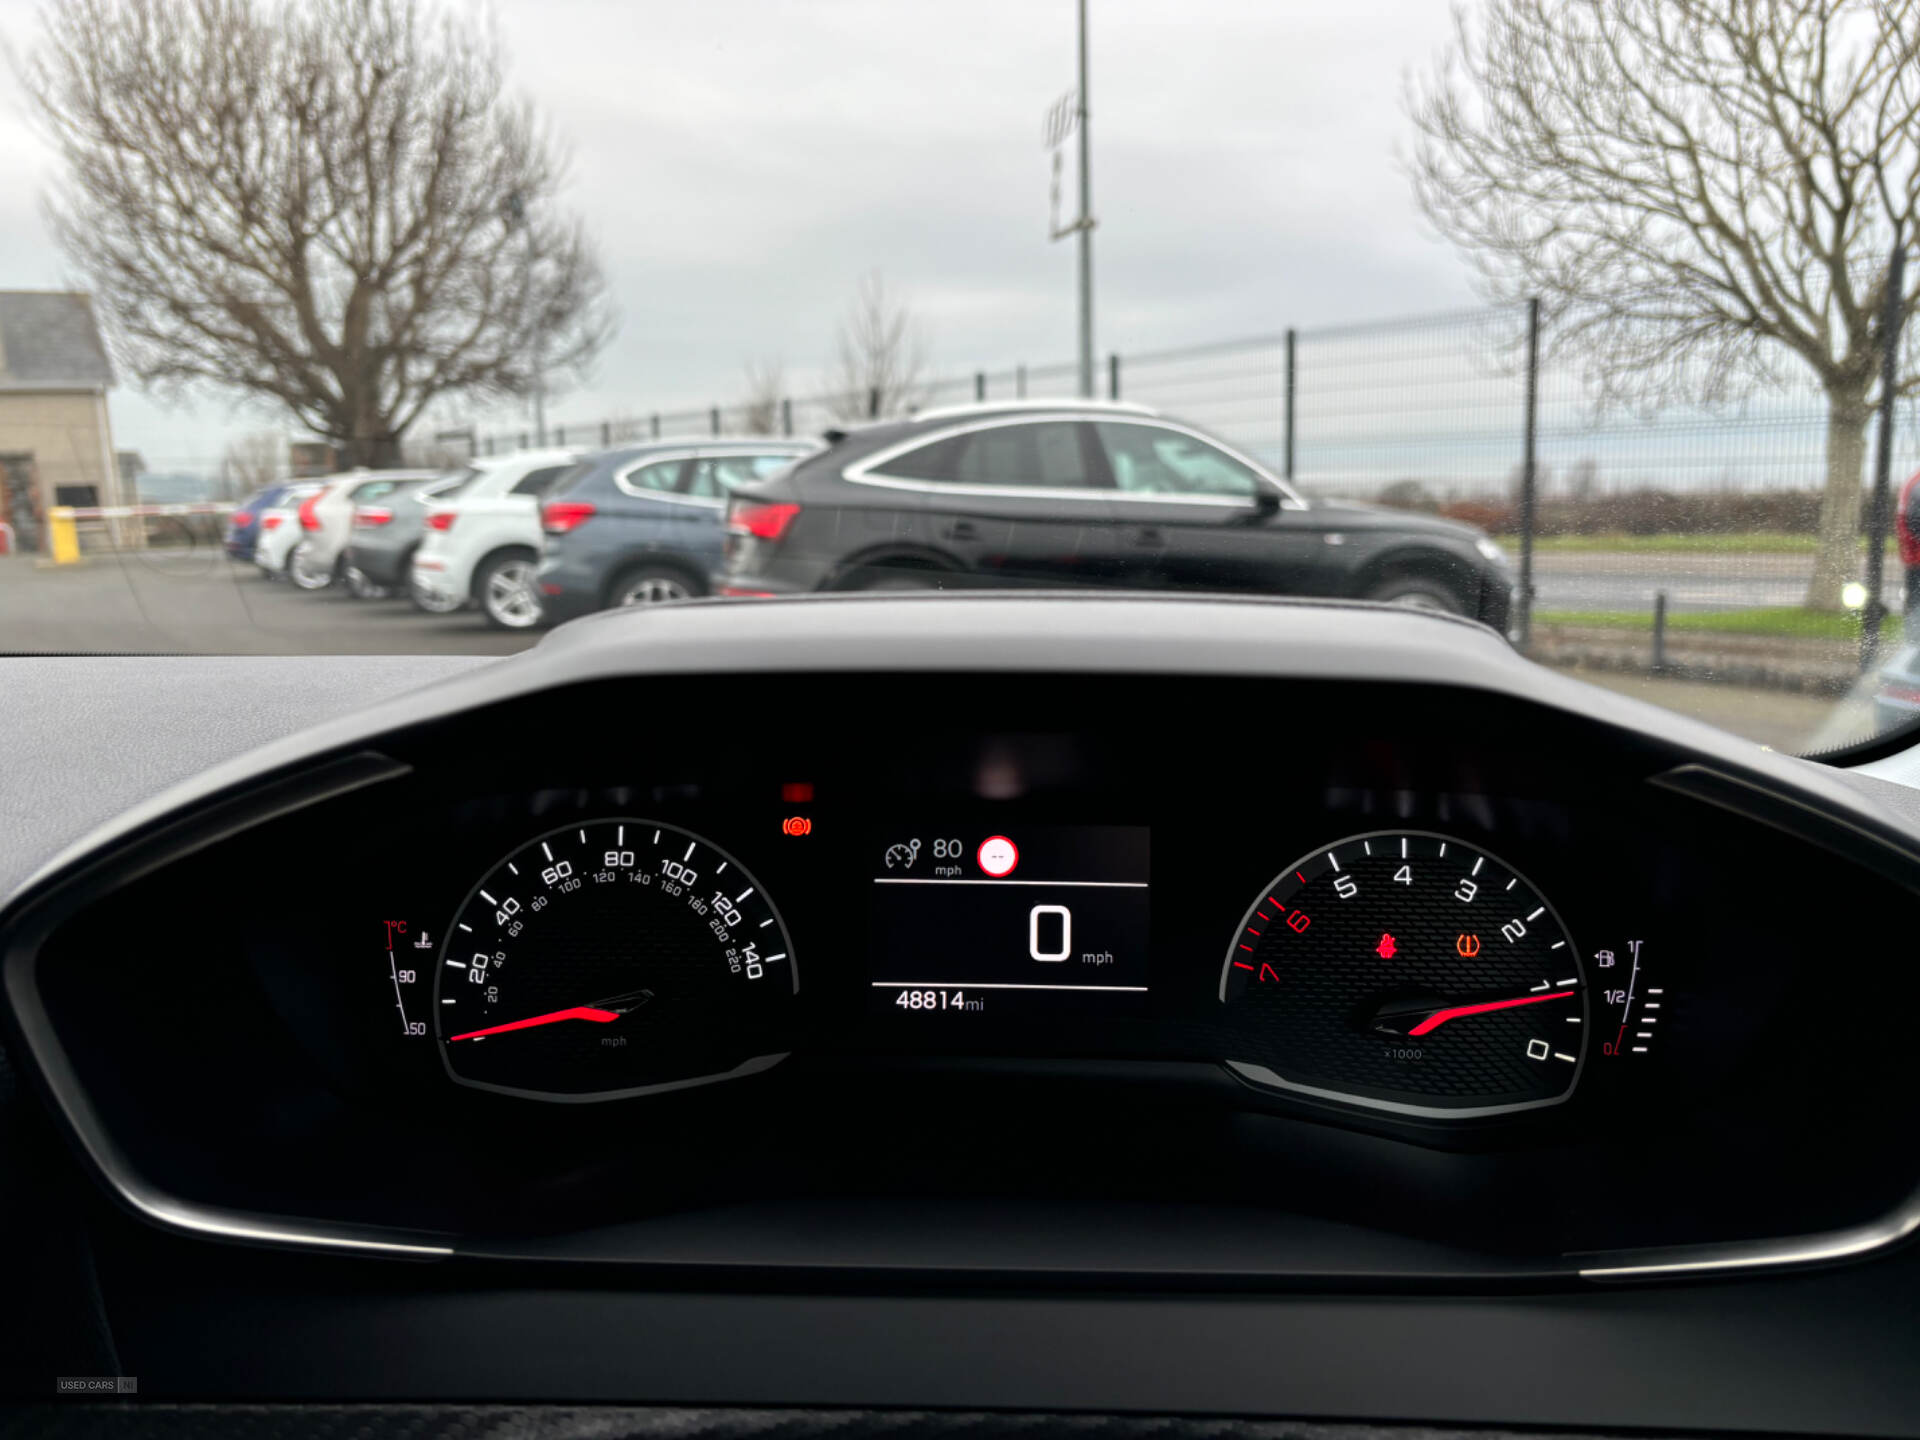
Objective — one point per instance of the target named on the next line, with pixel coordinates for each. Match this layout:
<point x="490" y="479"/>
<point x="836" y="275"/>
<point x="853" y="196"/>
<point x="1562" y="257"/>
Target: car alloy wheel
<point x="434" y="602"/>
<point x="361" y="588"/>
<point x="651" y="589"/>
<point x="508" y="596"/>
<point x="305" y="568"/>
<point x="1415" y="593"/>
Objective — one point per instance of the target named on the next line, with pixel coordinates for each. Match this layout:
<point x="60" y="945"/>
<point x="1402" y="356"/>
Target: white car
<point x="481" y="547"/>
<point x="326" y="522"/>
<point x="280" y="531"/>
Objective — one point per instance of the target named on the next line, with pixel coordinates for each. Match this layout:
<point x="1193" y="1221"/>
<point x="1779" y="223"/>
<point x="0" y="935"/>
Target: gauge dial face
<point x="1410" y="972"/>
<point x="613" y="957"/>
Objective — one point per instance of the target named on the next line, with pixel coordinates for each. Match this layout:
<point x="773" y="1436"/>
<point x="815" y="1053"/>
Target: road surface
<point x="1598" y="580"/>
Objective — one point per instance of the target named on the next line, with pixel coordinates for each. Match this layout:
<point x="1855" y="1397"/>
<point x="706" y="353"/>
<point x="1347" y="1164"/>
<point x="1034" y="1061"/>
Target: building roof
<point x="50" y="341"/>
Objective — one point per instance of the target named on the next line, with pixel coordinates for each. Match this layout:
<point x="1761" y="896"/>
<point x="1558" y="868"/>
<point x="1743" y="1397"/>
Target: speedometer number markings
<point x="614" y="969"/>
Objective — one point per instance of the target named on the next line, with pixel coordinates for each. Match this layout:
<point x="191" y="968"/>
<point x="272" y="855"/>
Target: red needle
<point x="1454" y="1012"/>
<point x="578" y="1012"/>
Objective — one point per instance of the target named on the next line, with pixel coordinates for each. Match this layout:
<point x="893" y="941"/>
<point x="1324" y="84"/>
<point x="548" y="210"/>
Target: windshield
<point x="1391" y="306"/>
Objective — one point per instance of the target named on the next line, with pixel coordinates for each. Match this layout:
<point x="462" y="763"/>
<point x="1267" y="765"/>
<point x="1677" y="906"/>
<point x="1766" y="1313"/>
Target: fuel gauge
<point x="1632" y="1007"/>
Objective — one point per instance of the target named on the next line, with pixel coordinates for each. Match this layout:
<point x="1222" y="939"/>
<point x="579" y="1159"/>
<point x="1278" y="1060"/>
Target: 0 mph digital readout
<point x="974" y="919"/>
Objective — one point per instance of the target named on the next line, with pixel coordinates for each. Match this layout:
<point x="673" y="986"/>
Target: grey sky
<point x="741" y="164"/>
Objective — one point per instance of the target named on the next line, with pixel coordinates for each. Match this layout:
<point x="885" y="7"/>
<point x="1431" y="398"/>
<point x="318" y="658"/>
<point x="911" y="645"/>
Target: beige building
<point x="56" y="445"/>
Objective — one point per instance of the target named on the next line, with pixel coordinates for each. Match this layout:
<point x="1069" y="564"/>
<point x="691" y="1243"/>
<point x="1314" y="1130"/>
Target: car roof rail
<point x="1067" y="405"/>
<point x="1067" y="402"/>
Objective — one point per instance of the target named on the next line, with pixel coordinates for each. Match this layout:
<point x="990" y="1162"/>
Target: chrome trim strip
<point x="753" y="1066"/>
<point x="131" y="857"/>
<point x="622" y="477"/>
<point x="988" y="407"/>
<point x="1823" y="1248"/>
<point x="1262" y="1076"/>
<point x="864" y="471"/>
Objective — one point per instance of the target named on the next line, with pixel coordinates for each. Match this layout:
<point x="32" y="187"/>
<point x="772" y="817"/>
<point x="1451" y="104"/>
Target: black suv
<point x="1075" y="493"/>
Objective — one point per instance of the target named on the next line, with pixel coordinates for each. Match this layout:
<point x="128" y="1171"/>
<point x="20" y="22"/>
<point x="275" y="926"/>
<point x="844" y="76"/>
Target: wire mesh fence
<point x="1429" y="413"/>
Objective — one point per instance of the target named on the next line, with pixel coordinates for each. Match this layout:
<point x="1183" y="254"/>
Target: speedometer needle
<point x="600" y="1012"/>
<point x="1394" y="1020"/>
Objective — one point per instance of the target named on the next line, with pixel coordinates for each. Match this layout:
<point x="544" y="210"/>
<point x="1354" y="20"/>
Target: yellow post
<point x="63" y="536"/>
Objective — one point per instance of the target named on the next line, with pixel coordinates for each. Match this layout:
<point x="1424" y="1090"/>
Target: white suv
<point x="280" y="531"/>
<point x="326" y="521"/>
<point x="481" y="546"/>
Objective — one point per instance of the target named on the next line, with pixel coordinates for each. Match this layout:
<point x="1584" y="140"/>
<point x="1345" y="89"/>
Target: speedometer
<point x="1410" y="972"/>
<point x="613" y="957"/>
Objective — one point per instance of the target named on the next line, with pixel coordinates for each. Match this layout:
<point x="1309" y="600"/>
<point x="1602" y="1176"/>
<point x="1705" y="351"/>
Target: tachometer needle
<point x="1436" y="1018"/>
<point x="600" y="1012"/>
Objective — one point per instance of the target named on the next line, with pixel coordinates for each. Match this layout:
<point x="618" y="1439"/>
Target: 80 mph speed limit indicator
<point x="613" y="957"/>
<point x="1410" y="972"/>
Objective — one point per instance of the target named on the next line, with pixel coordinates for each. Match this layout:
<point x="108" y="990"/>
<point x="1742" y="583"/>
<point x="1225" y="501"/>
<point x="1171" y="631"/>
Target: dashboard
<point x="1204" y="947"/>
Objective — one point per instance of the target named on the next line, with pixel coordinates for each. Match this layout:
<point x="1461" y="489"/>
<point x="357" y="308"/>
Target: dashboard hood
<point x="1040" y="633"/>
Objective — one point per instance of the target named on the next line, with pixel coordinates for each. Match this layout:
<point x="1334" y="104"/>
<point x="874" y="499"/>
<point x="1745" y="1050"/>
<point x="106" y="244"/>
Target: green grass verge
<point x="1759" y="542"/>
<point x="1787" y="622"/>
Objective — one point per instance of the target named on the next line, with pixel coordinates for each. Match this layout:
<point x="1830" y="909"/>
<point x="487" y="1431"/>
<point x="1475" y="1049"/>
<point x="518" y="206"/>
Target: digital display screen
<point x="971" y="920"/>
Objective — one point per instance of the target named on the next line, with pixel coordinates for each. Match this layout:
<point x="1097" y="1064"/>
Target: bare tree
<point x="880" y="354"/>
<point x="333" y="205"/>
<point x="1704" y="193"/>
<point x="253" y="460"/>
<point x="766" y="387"/>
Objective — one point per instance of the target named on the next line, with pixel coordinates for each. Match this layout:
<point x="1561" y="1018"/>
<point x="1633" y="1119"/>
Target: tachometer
<point x="613" y="957"/>
<point x="1407" y="971"/>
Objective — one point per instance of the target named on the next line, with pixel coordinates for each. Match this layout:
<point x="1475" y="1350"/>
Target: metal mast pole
<point x="1086" y="223"/>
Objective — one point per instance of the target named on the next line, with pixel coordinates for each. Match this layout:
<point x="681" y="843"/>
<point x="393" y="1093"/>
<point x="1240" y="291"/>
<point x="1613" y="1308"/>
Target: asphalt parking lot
<point x="200" y="602"/>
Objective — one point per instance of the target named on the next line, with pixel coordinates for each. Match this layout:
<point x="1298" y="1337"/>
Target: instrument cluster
<point x="1410" y="976"/>
<point x="1401" y="971"/>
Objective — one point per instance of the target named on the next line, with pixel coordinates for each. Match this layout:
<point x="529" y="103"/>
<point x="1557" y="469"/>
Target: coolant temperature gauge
<point x="409" y="955"/>
<point x="1632" y="1008"/>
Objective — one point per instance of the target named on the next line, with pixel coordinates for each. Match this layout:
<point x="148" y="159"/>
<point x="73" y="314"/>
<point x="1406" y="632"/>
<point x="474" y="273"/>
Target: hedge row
<point x="1637" y="512"/>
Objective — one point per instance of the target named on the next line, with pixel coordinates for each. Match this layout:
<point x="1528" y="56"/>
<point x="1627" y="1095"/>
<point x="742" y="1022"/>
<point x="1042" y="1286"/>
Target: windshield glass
<point x="1392" y="305"/>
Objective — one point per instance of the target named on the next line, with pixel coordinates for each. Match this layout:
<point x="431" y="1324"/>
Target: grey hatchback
<point x="642" y="524"/>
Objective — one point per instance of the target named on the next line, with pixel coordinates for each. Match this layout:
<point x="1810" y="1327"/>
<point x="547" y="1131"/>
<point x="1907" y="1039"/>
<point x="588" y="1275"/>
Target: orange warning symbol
<point x="1468" y="945"/>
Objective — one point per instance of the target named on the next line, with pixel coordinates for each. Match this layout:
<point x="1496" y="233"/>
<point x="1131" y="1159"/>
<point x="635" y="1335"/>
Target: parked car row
<point x="475" y="538"/>
<point x="1054" y="493"/>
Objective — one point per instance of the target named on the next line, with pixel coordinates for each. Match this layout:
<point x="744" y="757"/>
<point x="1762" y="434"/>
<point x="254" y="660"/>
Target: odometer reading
<point x="613" y="957"/>
<point x="1410" y="972"/>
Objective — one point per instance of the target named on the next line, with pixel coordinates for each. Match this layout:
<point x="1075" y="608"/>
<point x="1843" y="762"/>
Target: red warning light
<point x="1385" y="948"/>
<point x="797" y="792"/>
<point x="796" y="825"/>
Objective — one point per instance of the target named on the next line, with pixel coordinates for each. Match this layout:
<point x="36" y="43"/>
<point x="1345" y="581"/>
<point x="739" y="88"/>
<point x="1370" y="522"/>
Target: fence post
<point x="714" y="416"/>
<point x="1890" y="320"/>
<point x="1113" y="376"/>
<point x="1524" y="627"/>
<point x="653" y="424"/>
<point x="523" y="441"/>
<point x="873" y="402"/>
<point x="1019" y="382"/>
<point x="560" y="436"/>
<point x="1287" y="453"/>
<point x="979" y="385"/>
<point x="606" y="434"/>
<point x="786" y="416"/>
<point x="1659" y="632"/>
